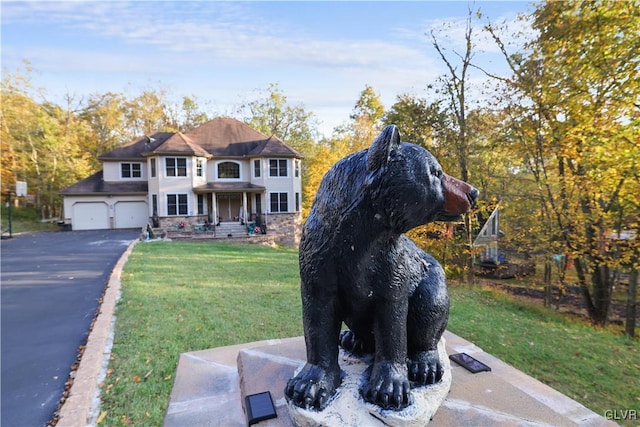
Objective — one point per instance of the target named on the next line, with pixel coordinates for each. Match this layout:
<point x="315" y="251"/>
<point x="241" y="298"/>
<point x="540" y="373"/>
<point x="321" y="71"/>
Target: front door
<point x="229" y="205"/>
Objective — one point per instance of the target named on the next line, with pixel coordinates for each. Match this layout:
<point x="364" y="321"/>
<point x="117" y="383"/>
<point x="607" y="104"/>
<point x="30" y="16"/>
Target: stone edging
<point x="83" y="404"/>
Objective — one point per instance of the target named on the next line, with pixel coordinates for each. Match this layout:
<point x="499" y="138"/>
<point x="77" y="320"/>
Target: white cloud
<point x="217" y="49"/>
<point x="220" y="31"/>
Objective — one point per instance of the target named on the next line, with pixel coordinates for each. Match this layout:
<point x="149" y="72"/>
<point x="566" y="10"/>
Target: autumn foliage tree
<point x="575" y="125"/>
<point x="52" y="146"/>
<point x="41" y="144"/>
<point x="356" y="134"/>
<point x="273" y="114"/>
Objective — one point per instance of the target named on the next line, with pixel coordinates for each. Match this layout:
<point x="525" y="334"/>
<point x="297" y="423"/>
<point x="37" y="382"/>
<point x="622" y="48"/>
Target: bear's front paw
<point x="388" y="386"/>
<point x="312" y="387"/>
<point x="425" y="368"/>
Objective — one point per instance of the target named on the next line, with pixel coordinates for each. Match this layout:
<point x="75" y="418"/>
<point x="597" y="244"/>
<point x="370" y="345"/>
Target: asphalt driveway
<point x="50" y="287"/>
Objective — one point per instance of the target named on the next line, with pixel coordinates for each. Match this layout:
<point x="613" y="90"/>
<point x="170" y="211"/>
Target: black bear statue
<point x="357" y="267"/>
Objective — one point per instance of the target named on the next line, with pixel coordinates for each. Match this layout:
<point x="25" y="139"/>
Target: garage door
<point x="90" y="216"/>
<point x="131" y="214"/>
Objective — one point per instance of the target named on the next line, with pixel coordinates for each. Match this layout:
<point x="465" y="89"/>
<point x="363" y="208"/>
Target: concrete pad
<point x="210" y="386"/>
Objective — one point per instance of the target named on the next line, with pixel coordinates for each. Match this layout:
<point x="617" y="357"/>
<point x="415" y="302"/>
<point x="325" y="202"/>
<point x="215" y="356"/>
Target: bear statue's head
<point x="408" y="186"/>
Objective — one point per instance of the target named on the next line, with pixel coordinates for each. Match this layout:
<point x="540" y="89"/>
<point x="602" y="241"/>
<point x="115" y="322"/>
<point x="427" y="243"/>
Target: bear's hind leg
<point x="358" y="344"/>
<point x="426" y="322"/>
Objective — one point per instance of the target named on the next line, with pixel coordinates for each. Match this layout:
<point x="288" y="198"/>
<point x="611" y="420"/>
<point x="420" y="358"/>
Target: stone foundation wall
<point x="287" y="227"/>
<point x="283" y="228"/>
<point x="173" y="221"/>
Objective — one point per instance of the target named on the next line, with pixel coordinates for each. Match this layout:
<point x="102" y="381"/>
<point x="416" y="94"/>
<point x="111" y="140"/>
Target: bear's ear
<point x="389" y="139"/>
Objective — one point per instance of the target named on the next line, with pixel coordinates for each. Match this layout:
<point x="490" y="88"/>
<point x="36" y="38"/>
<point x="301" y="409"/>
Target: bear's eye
<point x="438" y="173"/>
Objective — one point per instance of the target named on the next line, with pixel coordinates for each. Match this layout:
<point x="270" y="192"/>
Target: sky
<point x="321" y="55"/>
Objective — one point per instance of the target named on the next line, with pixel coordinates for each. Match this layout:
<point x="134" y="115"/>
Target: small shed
<point x="488" y="239"/>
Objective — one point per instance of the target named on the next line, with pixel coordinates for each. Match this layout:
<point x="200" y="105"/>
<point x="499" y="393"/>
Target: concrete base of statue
<point x="348" y="408"/>
<point x="210" y="387"/>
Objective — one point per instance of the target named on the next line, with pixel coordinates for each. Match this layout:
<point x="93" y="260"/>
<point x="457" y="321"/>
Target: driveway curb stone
<point x="83" y="404"/>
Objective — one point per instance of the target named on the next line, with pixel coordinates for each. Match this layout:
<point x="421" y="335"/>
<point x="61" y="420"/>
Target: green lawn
<point x="180" y="297"/>
<point x="23" y="220"/>
<point x="185" y="296"/>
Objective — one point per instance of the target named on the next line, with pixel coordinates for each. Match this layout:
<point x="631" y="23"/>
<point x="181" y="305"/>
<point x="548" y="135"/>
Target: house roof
<point x="220" y="137"/>
<point x="95" y="184"/>
<point x="134" y="150"/>
<point x="178" y="143"/>
<point x="226" y="137"/>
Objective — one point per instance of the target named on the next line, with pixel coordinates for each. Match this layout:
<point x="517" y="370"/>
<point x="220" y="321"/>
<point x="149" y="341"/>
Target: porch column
<point x="214" y="207"/>
<point x="244" y="207"/>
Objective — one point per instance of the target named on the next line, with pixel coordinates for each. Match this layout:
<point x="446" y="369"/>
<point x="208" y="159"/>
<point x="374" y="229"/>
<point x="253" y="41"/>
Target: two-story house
<point x="222" y="171"/>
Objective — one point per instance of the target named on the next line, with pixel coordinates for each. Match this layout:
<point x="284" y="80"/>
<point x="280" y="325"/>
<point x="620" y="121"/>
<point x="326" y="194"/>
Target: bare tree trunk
<point x="602" y="280"/>
<point x="455" y="86"/>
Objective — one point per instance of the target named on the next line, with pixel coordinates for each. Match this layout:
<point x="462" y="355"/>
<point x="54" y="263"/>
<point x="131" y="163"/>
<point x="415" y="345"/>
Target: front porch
<point x="200" y="228"/>
<point x="282" y="228"/>
<point x="230" y="202"/>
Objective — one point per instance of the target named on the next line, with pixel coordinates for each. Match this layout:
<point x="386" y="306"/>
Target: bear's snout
<point x="459" y="196"/>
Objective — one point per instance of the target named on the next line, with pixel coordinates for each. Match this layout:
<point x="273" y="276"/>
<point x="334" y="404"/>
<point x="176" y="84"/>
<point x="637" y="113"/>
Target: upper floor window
<point x="176" y="166"/>
<point x="296" y="168"/>
<point x="278" y="167"/>
<point x="257" y="169"/>
<point x="153" y="167"/>
<point x="199" y="167"/>
<point x="228" y="170"/>
<point x="131" y="170"/>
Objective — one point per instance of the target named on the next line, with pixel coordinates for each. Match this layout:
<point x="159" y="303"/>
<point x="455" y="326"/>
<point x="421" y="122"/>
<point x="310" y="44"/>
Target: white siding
<point x="112" y="170"/>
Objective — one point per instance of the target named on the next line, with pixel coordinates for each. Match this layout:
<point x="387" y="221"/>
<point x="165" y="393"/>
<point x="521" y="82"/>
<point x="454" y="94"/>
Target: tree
<point x="577" y="127"/>
<point x="365" y="121"/>
<point x="186" y="116"/>
<point x="272" y="115"/>
<point x="105" y="115"/>
<point x="455" y="85"/>
<point x="355" y="135"/>
<point x="146" y="113"/>
<point x="43" y="144"/>
<point x="417" y="120"/>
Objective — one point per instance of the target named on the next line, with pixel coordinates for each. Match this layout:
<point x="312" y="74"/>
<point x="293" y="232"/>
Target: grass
<point x="180" y="297"/>
<point x="23" y="220"/>
<point x="185" y="296"/>
<point x="595" y="367"/>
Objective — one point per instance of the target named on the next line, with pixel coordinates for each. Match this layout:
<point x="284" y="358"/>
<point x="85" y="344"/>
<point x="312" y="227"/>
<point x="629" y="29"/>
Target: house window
<point x="199" y="170"/>
<point x="200" y="204"/>
<point x="296" y="166"/>
<point x="176" y="166"/>
<point x="154" y="204"/>
<point x="256" y="169"/>
<point x="228" y="170"/>
<point x="297" y="202"/>
<point x="153" y="168"/>
<point x="131" y="170"/>
<point x="279" y="202"/>
<point x="277" y="167"/>
<point x="177" y="204"/>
